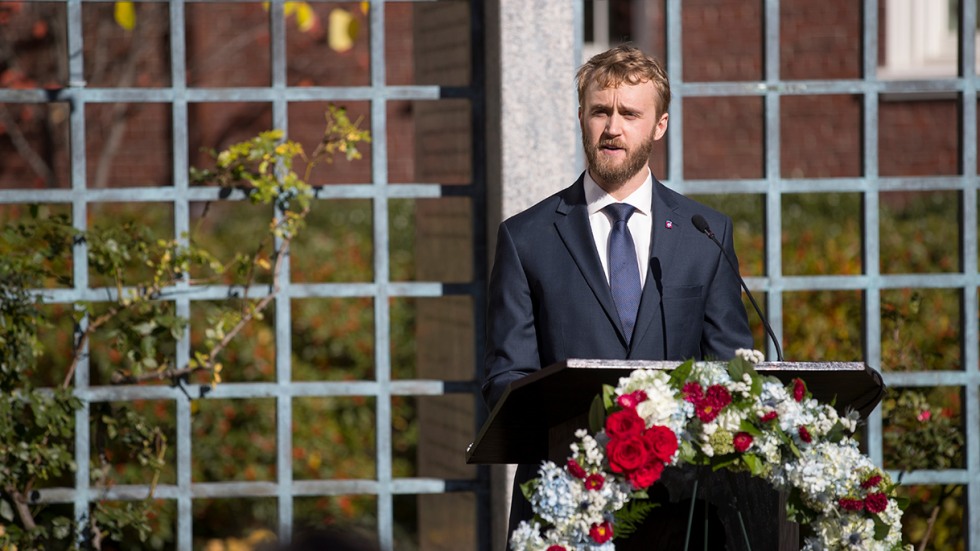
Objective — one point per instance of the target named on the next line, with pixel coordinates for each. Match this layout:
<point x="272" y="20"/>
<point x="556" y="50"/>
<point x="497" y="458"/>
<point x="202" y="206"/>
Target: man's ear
<point x="661" y="127"/>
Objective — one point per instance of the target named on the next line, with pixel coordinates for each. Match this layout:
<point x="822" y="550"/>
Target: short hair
<point x="624" y="64"/>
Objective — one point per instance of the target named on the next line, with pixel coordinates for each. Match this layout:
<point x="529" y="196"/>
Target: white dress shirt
<point x="640" y="223"/>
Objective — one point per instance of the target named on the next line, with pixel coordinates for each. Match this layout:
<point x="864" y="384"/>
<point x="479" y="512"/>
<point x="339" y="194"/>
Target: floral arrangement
<point x="725" y="417"/>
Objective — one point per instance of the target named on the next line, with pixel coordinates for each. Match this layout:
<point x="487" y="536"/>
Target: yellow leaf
<point x="218" y="367"/>
<point x="289" y="8"/>
<point x="263" y="263"/>
<point x="125" y="14"/>
<point x="314" y="461"/>
<point x="341" y="23"/>
<point x="365" y="7"/>
<point x="260" y="536"/>
<point x="305" y="16"/>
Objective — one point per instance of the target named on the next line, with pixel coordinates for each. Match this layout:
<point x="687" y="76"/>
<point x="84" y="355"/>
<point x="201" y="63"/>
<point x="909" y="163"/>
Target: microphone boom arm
<point x="702" y="226"/>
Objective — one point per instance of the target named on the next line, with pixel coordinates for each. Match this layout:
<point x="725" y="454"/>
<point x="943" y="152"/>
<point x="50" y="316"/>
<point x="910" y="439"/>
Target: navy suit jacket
<point x="549" y="299"/>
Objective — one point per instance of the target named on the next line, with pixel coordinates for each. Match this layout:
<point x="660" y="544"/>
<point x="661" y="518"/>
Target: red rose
<point x="556" y="548"/>
<point x="718" y="396"/>
<point x="805" y="435"/>
<point x="624" y="424"/>
<point x="626" y="454"/>
<point x="849" y="504"/>
<point x="632" y="399"/>
<point x="876" y="502"/>
<point x="575" y="469"/>
<point x="646" y="475"/>
<point x="871" y="482"/>
<point x="742" y="441"/>
<point x="601" y="533"/>
<point x="769" y="416"/>
<point x="799" y="389"/>
<point x="661" y="442"/>
<point x="594" y="482"/>
<point x="693" y="392"/>
<point x="706" y="411"/>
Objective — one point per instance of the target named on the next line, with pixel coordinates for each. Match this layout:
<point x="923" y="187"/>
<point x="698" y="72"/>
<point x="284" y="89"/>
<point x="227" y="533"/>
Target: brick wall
<point x="228" y="45"/>
<point x="821" y="135"/>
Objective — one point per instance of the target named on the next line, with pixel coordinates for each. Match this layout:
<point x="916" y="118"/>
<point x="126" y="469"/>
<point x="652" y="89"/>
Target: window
<point x="921" y="39"/>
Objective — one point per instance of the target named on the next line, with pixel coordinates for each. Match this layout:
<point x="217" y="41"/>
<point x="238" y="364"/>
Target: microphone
<point x="702" y="226"/>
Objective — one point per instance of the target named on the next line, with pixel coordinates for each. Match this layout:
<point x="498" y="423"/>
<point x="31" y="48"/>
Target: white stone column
<point x="532" y="132"/>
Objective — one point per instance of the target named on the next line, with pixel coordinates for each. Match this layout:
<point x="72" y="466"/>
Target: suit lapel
<point x="576" y="233"/>
<point x="663" y="241"/>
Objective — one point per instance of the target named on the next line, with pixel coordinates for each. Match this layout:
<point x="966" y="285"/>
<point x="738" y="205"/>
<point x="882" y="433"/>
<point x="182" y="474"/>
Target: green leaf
<point x="788" y="442"/>
<point x="146" y="327"/>
<point x="881" y="528"/>
<point x="62" y="527"/>
<point x="681" y="374"/>
<point x="796" y="510"/>
<point x="749" y="427"/>
<point x="736" y="368"/>
<point x="753" y="463"/>
<point x="631" y="516"/>
<point x="836" y="433"/>
<point x="794" y="449"/>
<point x="597" y="415"/>
<point x="721" y="462"/>
<point x="687" y="452"/>
<point x="608" y="392"/>
<point x="528" y="488"/>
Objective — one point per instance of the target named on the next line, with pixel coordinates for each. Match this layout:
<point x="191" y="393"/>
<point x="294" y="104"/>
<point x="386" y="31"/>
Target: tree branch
<point x="120" y="111"/>
<point x="24" y="148"/>
<point x="144" y="294"/>
<point x="175" y="374"/>
<point x="23" y="511"/>
<point x="946" y="492"/>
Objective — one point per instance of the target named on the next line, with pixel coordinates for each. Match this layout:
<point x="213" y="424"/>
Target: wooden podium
<point x="537" y="416"/>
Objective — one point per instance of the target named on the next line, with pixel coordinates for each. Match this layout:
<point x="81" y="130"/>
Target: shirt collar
<point x="597" y="198"/>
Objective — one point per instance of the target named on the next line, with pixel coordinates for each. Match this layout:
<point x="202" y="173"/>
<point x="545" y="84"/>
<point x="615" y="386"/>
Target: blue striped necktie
<point x="624" y="274"/>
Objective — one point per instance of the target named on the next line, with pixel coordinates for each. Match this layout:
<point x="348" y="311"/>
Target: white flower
<point x="751" y="356"/>
<point x="527" y="537"/>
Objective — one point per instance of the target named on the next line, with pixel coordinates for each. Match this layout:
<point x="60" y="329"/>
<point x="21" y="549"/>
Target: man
<point x="611" y="267"/>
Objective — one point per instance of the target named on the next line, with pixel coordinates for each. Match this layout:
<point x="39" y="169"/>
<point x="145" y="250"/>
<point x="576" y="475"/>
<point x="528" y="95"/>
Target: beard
<point x="616" y="173"/>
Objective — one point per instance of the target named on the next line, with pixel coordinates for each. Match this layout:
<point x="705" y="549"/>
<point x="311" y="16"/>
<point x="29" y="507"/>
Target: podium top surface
<point x="517" y="429"/>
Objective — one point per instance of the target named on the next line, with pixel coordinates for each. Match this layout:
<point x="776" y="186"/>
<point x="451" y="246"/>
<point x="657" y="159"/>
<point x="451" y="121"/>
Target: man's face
<point x="619" y="126"/>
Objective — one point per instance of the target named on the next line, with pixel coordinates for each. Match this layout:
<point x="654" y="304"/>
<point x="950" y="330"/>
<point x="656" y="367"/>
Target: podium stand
<point x="537" y="416"/>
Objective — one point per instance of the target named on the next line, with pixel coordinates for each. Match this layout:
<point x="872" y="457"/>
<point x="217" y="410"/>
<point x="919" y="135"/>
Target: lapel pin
<point x="669" y="224"/>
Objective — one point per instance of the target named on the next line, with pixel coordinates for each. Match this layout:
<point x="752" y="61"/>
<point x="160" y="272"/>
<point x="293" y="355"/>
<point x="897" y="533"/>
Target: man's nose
<point x="614" y="125"/>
